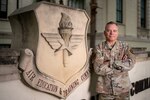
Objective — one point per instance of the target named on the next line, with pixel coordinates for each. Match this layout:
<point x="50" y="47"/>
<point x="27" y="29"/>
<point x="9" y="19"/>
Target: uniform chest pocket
<point x="120" y="54"/>
<point x="107" y="55"/>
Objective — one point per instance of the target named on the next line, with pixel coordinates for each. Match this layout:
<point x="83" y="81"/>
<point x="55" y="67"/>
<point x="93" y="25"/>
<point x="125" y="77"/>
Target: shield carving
<point x="56" y="60"/>
<point x="66" y="50"/>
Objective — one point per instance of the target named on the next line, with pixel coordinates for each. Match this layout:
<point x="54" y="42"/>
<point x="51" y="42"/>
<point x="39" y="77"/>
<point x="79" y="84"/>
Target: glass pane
<point x="3" y="1"/>
<point x="3" y="7"/>
<point x="76" y="3"/>
<point x="119" y="11"/>
<point x="143" y="13"/>
<point x="143" y="3"/>
<point x="5" y="45"/>
<point x="119" y="17"/>
<point x="119" y="4"/>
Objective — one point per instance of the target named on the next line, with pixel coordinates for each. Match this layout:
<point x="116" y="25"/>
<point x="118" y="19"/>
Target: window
<point x="76" y="3"/>
<point x="5" y="45"/>
<point x="3" y="8"/>
<point x="52" y="1"/>
<point x="143" y="13"/>
<point x="119" y="11"/>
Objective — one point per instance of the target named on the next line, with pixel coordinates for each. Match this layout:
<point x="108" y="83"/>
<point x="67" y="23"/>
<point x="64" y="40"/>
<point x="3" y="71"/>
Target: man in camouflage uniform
<point x="112" y="61"/>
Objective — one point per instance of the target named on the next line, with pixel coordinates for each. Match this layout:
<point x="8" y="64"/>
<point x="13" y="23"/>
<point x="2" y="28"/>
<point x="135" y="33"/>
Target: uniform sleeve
<point x="101" y="67"/>
<point x="127" y="62"/>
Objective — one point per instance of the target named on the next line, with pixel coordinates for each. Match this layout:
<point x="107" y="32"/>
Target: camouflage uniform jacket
<point x="112" y="64"/>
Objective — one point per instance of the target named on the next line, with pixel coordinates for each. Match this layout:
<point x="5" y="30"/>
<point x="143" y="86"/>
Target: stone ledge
<point x="141" y="53"/>
<point x="142" y="56"/>
<point x="8" y="69"/>
<point x="8" y="56"/>
<point x="9" y="77"/>
<point x="142" y="59"/>
<point x="9" y="52"/>
<point x="9" y="64"/>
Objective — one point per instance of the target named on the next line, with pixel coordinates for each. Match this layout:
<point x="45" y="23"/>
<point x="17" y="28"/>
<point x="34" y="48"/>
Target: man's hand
<point x="117" y="67"/>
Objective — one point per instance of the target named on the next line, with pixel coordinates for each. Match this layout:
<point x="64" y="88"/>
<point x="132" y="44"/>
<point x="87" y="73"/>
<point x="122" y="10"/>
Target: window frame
<point x="77" y="4"/>
<point x="143" y="14"/>
<point x="119" y="11"/>
<point x="5" y="45"/>
<point x="3" y="14"/>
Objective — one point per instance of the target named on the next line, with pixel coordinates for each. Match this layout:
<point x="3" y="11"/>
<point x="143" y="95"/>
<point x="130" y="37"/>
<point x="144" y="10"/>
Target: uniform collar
<point x="115" y="46"/>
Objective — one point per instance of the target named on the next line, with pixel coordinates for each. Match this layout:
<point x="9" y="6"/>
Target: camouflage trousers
<point x="123" y="96"/>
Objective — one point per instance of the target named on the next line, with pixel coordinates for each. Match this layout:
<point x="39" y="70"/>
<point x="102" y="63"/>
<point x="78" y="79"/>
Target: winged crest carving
<point x="64" y="39"/>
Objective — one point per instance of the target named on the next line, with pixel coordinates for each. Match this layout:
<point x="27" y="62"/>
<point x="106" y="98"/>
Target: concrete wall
<point x="130" y="17"/>
<point x="140" y="72"/>
<point x="16" y="90"/>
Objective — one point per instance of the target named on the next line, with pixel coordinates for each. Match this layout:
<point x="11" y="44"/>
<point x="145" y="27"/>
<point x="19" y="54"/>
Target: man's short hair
<point x="111" y="22"/>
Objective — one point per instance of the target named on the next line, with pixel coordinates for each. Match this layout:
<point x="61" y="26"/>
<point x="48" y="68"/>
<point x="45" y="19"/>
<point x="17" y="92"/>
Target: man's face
<point x="111" y="32"/>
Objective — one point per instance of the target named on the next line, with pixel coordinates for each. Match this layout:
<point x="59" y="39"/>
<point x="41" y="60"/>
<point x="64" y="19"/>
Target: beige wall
<point x="129" y="29"/>
<point x="23" y="3"/>
<point x="131" y="17"/>
<point x="106" y="11"/>
<point x="4" y="24"/>
<point x="101" y="15"/>
<point x="5" y="27"/>
<point x="110" y="10"/>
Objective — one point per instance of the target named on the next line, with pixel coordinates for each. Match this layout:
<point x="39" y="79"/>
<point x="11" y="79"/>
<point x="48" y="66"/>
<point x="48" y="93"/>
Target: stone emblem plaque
<point x="53" y="39"/>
